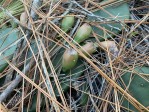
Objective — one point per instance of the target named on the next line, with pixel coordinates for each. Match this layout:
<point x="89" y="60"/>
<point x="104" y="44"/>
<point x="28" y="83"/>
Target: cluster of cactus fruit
<point x="70" y="56"/>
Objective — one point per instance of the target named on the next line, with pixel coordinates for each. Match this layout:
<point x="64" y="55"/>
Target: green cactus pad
<point x="119" y="12"/>
<point x="84" y="96"/>
<point x="138" y="88"/>
<point x="7" y="37"/>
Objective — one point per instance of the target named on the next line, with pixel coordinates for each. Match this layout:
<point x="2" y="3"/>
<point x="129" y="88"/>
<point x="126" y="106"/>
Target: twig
<point x="13" y="18"/>
<point x="75" y="27"/>
<point x="35" y="5"/>
<point x="14" y="83"/>
<point x="89" y="13"/>
<point x="18" y="78"/>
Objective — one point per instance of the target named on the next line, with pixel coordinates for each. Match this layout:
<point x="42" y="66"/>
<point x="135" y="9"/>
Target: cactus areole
<point x="70" y="58"/>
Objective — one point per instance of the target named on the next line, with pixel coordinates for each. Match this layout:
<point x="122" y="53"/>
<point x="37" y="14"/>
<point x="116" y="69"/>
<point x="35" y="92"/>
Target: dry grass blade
<point x="40" y="89"/>
<point x="115" y="85"/>
<point x="74" y="55"/>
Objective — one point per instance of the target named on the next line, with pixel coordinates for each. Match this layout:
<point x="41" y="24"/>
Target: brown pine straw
<point x="133" y="101"/>
<point x="36" y="86"/>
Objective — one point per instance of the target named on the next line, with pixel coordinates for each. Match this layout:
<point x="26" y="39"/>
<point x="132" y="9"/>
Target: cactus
<point x="88" y="48"/>
<point x="7" y="37"/>
<point x="67" y="23"/>
<point x="138" y="88"/>
<point x="83" y="33"/>
<point x="69" y="60"/>
<point x="118" y="12"/>
<point x="84" y="97"/>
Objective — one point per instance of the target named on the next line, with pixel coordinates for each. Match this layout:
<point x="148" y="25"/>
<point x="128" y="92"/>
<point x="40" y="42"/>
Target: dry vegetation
<point x="112" y="68"/>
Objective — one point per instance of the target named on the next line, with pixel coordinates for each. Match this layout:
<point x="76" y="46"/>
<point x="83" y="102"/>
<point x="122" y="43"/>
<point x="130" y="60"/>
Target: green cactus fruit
<point x="67" y="23"/>
<point x="70" y="58"/>
<point x="138" y="87"/>
<point x="75" y="73"/>
<point x="88" y="48"/>
<point x="83" y="33"/>
<point x="7" y="37"/>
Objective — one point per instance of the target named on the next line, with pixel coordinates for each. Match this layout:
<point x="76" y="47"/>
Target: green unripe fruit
<point x="70" y="58"/>
<point x="83" y="33"/>
<point x="88" y="48"/>
<point x="67" y="23"/>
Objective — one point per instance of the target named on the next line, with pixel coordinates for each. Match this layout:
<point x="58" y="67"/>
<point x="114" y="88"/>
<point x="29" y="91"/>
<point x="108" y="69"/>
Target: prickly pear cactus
<point x="118" y="12"/>
<point x="7" y="37"/>
<point x="138" y="88"/>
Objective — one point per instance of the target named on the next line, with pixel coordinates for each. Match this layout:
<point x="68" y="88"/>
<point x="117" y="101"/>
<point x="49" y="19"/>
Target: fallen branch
<point x="34" y="16"/>
<point x="14" y="83"/>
